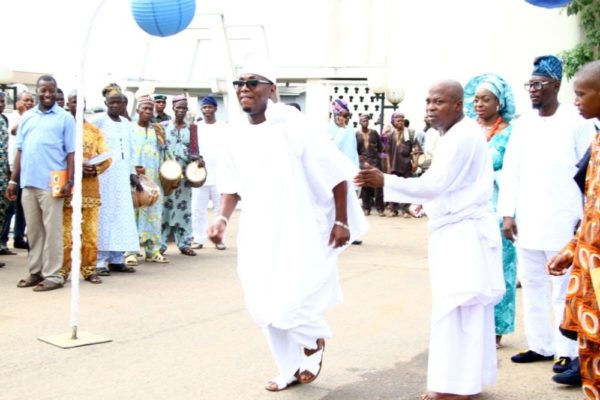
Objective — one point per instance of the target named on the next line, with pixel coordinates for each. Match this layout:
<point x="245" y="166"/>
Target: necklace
<point x="492" y="130"/>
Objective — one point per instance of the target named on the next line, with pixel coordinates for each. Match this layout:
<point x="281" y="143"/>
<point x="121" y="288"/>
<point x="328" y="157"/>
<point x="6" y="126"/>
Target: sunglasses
<point x="250" y="83"/>
<point x="537" y="85"/>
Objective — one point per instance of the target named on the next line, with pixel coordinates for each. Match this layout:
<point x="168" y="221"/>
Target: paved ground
<point x="180" y="331"/>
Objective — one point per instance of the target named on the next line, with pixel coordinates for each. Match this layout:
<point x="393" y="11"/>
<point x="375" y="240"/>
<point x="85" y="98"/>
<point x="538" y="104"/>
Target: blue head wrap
<point x="208" y="100"/>
<point x="498" y="87"/>
<point x="338" y="106"/>
<point x="549" y="66"/>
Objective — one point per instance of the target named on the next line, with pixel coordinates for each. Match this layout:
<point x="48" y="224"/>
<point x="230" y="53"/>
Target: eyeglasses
<point x="537" y="85"/>
<point x="250" y="83"/>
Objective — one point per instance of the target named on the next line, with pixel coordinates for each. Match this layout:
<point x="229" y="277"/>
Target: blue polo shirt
<point x="44" y="139"/>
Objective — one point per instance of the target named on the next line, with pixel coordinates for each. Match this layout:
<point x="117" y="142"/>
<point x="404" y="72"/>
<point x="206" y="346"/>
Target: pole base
<point x="66" y="340"/>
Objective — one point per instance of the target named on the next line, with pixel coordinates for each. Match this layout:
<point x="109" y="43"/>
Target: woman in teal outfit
<point x="489" y="99"/>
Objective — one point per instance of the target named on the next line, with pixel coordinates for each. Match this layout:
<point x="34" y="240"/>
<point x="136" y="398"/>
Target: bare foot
<point x="444" y="396"/>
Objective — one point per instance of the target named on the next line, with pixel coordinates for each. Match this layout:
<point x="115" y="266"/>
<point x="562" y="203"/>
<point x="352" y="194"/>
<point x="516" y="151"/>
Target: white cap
<point x="257" y="65"/>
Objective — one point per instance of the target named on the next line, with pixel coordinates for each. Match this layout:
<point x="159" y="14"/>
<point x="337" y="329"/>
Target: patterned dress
<point x="177" y="207"/>
<point x="504" y="312"/>
<point x="93" y="145"/>
<point x="582" y="314"/>
<point x="4" y="167"/>
<point x="147" y="153"/>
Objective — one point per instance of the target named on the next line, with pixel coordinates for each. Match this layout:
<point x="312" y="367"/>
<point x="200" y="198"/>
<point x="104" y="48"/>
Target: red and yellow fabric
<point x="582" y="314"/>
<point x="93" y="145"/>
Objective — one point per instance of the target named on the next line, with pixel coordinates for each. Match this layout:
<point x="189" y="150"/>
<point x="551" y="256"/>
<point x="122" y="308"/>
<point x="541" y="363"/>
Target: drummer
<point x="148" y="151"/>
<point x="177" y="207"/>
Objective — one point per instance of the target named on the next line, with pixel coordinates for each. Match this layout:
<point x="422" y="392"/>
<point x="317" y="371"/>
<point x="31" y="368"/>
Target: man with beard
<point x="45" y="143"/>
<point x="541" y="207"/>
<point x="299" y="212"/>
<point x="465" y="251"/>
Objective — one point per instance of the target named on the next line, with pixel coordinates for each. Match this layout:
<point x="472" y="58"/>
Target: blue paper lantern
<point x="163" y="17"/>
<point x="549" y="3"/>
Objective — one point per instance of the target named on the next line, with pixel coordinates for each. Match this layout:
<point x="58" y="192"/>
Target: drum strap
<point x="193" y="147"/>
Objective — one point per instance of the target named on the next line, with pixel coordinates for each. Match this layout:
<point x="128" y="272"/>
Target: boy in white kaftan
<point x="284" y="174"/>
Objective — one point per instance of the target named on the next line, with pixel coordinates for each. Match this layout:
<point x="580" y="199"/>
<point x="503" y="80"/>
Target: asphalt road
<point x="181" y="331"/>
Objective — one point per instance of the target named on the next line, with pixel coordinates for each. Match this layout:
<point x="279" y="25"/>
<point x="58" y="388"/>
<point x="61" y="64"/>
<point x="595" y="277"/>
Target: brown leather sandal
<point x="31" y="280"/>
<point x="93" y="278"/>
<point x="187" y="251"/>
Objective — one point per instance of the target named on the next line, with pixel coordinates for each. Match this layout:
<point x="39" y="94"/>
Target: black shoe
<point x="357" y="242"/>
<point x="530" y="356"/>
<point x="571" y="377"/>
<point x="2" y="264"/>
<point x="21" y="245"/>
<point x="561" y="365"/>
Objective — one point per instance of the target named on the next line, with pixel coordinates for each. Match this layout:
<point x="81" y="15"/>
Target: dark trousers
<point x="14" y="208"/>
<point x="395" y="207"/>
<point x="367" y="194"/>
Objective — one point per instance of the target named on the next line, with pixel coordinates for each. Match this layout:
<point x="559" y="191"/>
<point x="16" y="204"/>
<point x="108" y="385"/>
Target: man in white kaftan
<point x="117" y="230"/>
<point x="210" y="133"/>
<point x="541" y="207"/>
<point x="465" y="251"/>
<point x="297" y="216"/>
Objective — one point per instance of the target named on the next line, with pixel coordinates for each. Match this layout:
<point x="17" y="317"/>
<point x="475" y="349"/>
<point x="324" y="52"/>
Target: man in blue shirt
<point x="45" y="143"/>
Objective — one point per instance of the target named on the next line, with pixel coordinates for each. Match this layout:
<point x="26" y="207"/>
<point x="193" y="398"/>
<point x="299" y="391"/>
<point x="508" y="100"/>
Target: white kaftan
<point x="465" y="257"/>
<point x="117" y="229"/>
<point x="284" y="174"/>
<point x="537" y="186"/>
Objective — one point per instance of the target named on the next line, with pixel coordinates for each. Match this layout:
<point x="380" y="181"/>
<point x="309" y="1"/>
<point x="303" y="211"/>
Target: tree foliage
<point x="588" y="12"/>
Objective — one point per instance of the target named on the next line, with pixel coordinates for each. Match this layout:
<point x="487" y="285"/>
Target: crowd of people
<point x="502" y="194"/>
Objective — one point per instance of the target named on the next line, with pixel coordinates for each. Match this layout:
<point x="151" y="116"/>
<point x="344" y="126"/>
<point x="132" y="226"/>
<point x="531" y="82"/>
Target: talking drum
<point x="424" y="160"/>
<point x="170" y="176"/>
<point x="196" y="176"/>
<point x="148" y="196"/>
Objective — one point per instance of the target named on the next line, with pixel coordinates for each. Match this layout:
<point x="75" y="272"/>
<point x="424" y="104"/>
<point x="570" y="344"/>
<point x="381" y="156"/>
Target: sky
<point x="418" y="40"/>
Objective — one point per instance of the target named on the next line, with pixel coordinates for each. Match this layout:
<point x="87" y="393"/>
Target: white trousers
<point x="462" y="351"/>
<point x="200" y="198"/>
<point x="287" y="345"/>
<point x="543" y="294"/>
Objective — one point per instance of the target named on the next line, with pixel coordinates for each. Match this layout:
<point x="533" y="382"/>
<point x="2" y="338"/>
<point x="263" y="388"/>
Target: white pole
<point x="76" y="200"/>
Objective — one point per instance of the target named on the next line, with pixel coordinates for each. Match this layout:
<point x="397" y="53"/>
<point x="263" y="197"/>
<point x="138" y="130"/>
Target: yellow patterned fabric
<point x="89" y="241"/>
<point x="582" y="314"/>
<point x="93" y="145"/>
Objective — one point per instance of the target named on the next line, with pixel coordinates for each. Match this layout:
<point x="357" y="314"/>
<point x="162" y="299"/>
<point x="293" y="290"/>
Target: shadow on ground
<point x="407" y="380"/>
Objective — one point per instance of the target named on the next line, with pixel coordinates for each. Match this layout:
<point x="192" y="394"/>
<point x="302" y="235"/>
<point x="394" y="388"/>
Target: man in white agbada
<point x="465" y="251"/>
<point x="117" y="229"/>
<point x="541" y="207"/>
<point x="297" y="216"/>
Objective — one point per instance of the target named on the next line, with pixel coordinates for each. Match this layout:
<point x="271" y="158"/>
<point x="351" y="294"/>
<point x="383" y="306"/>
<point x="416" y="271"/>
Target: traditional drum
<point x="195" y="175"/>
<point x="148" y="196"/>
<point x="424" y="160"/>
<point x="170" y="176"/>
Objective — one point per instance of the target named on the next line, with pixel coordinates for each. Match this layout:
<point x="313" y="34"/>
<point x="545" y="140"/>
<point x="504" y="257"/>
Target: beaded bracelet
<point x="343" y="225"/>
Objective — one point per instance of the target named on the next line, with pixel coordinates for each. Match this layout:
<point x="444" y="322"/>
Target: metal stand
<point x="74" y="339"/>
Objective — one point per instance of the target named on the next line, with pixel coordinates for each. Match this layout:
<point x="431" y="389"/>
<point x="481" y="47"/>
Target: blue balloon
<point x="549" y="3"/>
<point x="163" y="17"/>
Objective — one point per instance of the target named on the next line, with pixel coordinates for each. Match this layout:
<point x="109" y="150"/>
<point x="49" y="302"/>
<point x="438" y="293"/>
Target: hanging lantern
<point x="549" y="3"/>
<point x="163" y="17"/>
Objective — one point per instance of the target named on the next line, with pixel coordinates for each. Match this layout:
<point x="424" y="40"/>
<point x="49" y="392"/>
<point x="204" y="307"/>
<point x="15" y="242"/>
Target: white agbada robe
<point x="117" y="230"/>
<point x="210" y="138"/>
<point x="538" y="189"/>
<point x="284" y="173"/>
<point x="465" y="258"/>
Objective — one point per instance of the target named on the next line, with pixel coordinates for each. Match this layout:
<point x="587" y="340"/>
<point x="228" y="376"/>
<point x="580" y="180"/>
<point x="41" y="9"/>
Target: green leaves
<point x="588" y="12"/>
